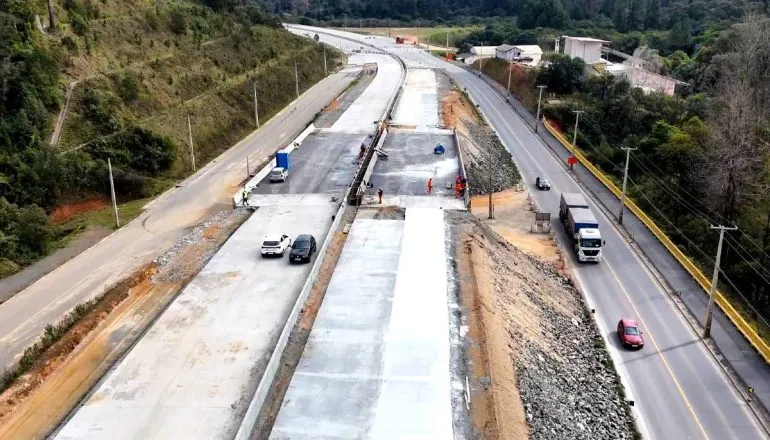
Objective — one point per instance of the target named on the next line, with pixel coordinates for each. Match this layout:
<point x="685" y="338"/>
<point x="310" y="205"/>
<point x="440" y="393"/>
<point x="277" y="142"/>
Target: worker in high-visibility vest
<point x="430" y="185"/>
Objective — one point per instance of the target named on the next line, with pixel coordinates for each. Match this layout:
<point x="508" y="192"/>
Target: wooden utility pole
<point x="256" y="105"/>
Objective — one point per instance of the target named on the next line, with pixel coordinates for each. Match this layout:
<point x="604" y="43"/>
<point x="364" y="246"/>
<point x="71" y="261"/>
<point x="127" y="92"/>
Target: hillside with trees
<point x="87" y="80"/>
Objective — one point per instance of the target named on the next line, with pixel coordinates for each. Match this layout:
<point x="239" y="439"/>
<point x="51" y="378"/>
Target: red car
<point x="629" y="333"/>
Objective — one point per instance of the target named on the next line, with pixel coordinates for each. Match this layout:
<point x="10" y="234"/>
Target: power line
<point x="677" y="197"/>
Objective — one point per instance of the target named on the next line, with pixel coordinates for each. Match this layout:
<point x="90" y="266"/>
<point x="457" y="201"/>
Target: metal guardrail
<point x="732" y="314"/>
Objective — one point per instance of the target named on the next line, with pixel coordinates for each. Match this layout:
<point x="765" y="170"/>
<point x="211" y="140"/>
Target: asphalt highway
<point x="679" y="390"/>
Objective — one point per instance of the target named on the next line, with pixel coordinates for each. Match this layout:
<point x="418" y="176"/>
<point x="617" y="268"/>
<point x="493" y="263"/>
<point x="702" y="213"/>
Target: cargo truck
<point x="581" y="226"/>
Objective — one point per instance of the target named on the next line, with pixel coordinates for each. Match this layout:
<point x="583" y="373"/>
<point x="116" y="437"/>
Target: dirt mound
<point x="547" y="374"/>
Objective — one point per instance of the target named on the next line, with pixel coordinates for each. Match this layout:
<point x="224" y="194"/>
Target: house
<point x="587" y="49"/>
<point x="476" y="53"/>
<point x="525" y="53"/>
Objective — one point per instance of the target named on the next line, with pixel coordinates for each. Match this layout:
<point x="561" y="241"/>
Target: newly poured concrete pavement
<point x="411" y="163"/>
<point x="418" y="105"/>
<point x="324" y="164"/>
<point x="194" y="372"/>
<point x="376" y="364"/>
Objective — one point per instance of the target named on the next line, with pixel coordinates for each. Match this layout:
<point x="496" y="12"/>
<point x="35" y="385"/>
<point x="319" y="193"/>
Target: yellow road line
<point x="657" y="349"/>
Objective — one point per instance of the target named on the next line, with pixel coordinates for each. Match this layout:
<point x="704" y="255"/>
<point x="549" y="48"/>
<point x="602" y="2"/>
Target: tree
<point x="636" y="15"/>
<point x="620" y="15"/>
<point x="652" y="15"/>
<point x="543" y="13"/>
<point x="51" y="16"/>
<point x="680" y="35"/>
<point x="739" y="143"/>
<point x="563" y="75"/>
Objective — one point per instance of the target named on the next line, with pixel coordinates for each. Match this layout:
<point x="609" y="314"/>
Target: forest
<point x="134" y="72"/>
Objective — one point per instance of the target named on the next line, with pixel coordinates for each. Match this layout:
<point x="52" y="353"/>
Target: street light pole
<point x="714" y="279"/>
<point x="192" y="148"/>
<point x="510" y="69"/>
<point x="625" y="178"/>
<point x="256" y="105"/>
<point x="296" y="79"/>
<point x="539" y="98"/>
<point x="112" y="193"/>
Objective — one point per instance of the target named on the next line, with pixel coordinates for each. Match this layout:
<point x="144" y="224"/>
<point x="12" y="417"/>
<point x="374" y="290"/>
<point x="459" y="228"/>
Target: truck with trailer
<point x="581" y="226"/>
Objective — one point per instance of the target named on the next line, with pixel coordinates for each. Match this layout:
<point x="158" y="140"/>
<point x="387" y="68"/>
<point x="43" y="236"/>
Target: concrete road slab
<point x="325" y="163"/>
<point x="411" y="163"/>
<point x="414" y="201"/>
<point x="418" y="104"/>
<point x="194" y="372"/>
<point x="370" y="106"/>
<point x="377" y="360"/>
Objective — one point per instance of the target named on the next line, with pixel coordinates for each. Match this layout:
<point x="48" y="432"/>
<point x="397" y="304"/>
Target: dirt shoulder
<point x="539" y="366"/>
<point x="63" y="375"/>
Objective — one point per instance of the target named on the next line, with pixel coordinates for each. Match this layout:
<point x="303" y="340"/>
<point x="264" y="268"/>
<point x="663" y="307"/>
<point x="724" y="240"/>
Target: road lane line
<point x="657" y="349"/>
<point x="614" y="274"/>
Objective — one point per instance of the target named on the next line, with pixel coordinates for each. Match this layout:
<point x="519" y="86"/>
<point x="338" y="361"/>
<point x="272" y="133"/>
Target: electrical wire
<point x="677" y="197"/>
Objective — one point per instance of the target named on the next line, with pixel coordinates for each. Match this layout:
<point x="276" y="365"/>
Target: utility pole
<point x="326" y="71"/>
<point x="510" y="69"/>
<point x="296" y="79"/>
<point x="539" y="98"/>
<point x="248" y="168"/>
<point x="574" y="138"/>
<point x="192" y="148"/>
<point x="625" y="178"/>
<point x="714" y="279"/>
<point x="112" y="193"/>
<point x="256" y="105"/>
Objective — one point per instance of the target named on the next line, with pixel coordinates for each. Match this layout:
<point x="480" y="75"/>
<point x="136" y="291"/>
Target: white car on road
<point x="275" y="244"/>
<point x="279" y="174"/>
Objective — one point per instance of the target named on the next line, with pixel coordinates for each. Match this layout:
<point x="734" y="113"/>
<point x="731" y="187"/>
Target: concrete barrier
<point x="261" y="174"/>
<point x="268" y="377"/>
<point x="732" y="314"/>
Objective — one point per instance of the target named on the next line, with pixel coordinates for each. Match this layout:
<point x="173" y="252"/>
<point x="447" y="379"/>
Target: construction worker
<point x="458" y="188"/>
<point x="430" y="185"/>
<point x="379" y="194"/>
<point x="362" y="152"/>
<point x="245" y="196"/>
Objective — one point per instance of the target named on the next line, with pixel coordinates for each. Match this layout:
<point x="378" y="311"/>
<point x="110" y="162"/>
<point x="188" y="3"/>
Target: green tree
<point x="652" y="15"/>
<point x="636" y="15"/>
<point x="563" y="75"/>
<point x="680" y="35"/>
<point x="543" y="13"/>
<point x="620" y="15"/>
<point x="34" y="231"/>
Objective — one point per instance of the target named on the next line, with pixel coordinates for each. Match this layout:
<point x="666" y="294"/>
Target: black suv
<point x="542" y="183"/>
<point x="302" y="249"/>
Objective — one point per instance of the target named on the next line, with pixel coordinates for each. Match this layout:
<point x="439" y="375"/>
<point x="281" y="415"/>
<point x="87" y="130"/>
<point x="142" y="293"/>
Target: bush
<point x="128" y="88"/>
<point x="100" y="109"/>
<point x="137" y="148"/>
<point x="70" y="44"/>
<point x="177" y="21"/>
<point x="79" y="25"/>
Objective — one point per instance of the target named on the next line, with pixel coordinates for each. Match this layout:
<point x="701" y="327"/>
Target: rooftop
<point x="587" y="39"/>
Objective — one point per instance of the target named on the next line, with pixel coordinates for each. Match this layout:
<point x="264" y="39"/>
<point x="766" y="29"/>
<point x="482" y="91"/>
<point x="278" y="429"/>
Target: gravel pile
<point x="571" y="391"/>
<point x="195" y="248"/>
<point x="489" y="165"/>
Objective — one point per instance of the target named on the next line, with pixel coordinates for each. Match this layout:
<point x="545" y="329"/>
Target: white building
<point x="476" y="53"/>
<point x="484" y="51"/>
<point x="587" y="49"/>
<point x="529" y="54"/>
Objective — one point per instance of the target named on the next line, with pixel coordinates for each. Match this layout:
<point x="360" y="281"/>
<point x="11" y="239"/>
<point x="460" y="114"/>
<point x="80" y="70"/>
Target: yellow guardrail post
<point x="735" y="317"/>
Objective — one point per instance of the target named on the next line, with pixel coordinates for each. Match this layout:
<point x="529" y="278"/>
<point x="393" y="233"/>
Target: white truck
<point x="581" y="226"/>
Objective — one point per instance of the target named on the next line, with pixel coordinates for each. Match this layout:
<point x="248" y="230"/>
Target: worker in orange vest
<point x="430" y="185"/>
